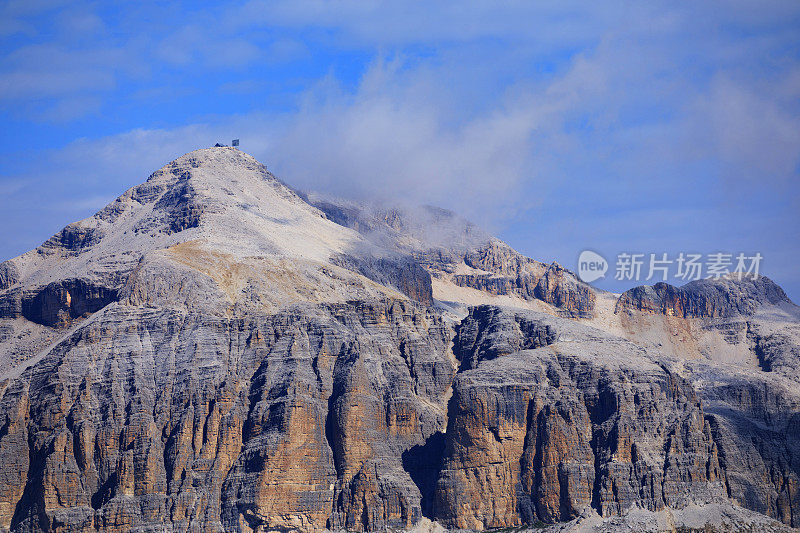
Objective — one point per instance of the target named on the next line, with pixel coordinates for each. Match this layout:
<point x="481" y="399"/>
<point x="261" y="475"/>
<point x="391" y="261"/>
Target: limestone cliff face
<point x="9" y="275"/>
<point x="401" y="272"/>
<point x="498" y="269"/>
<point x="293" y="420"/>
<point x="216" y="352"/>
<point x="579" y="420"/>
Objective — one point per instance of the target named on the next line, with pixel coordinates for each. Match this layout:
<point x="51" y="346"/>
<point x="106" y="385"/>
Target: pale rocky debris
<point x="710" y="518"/>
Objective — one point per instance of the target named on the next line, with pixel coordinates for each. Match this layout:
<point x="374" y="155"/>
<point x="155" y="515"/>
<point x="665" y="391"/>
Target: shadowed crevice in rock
<point x="29" y="510"/>
<point x="104" y="492"/>
<point x="759" y="348"/>
<point x="61" y="302"/>
<point x="423" y="462"/>
<point x="598" y="475"/>
<point x="333" y="422"/>
<point x="330" y="433"/>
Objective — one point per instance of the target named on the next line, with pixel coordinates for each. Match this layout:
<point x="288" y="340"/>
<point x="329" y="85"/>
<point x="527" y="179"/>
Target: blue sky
<point x="620" y="127"/>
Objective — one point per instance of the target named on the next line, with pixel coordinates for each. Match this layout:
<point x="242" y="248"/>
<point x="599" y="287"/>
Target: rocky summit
<point x="214" y="351"/>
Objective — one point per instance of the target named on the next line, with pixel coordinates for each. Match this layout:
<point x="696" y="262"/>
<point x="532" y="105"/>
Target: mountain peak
<point x="221" y="196"/>
<point x="216" y="162"/>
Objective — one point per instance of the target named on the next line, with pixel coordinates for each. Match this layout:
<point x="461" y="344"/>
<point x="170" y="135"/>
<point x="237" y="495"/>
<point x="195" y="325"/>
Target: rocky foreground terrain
<point x="213" y="351"/>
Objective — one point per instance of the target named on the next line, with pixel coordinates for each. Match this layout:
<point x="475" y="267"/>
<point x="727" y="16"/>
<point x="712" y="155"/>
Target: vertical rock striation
<point x="586" y="421"/>
<point x="297" y="420"/>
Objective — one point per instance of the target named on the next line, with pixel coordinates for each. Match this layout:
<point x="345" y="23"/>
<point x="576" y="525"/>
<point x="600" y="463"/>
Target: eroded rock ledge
<point x="57" y="304"/>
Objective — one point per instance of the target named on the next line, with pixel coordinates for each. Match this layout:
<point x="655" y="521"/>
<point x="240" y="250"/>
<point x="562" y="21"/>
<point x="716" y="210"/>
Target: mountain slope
<point x="215" y="219"/>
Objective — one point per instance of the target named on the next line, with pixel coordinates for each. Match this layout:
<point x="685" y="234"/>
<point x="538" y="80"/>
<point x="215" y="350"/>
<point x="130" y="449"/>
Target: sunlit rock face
<point x="214" y="351"/>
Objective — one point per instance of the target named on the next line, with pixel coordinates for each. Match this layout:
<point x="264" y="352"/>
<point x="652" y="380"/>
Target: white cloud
<point x="401" y="23"/>
<point x="48" y="70"/>
<point x="753" y="130"/>
<point x="394" y="138"/>
<point x="200" y="45"/>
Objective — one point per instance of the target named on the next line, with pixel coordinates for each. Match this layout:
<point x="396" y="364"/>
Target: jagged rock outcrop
<point x="707" y="298"/>
<point x="502" y="271"/>
<point x="72" y="238"/>
<point x="213" y="351"/>
<point x="489" y="332"/>
<point x="563" y="290"/>
<point x="455" y="251"/>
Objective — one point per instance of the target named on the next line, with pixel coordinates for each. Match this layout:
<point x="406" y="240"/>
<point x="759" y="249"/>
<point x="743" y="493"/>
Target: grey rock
<point x="586" y="421"/>
<point x="9" y="275"/>
<point x="706" y="298"/>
